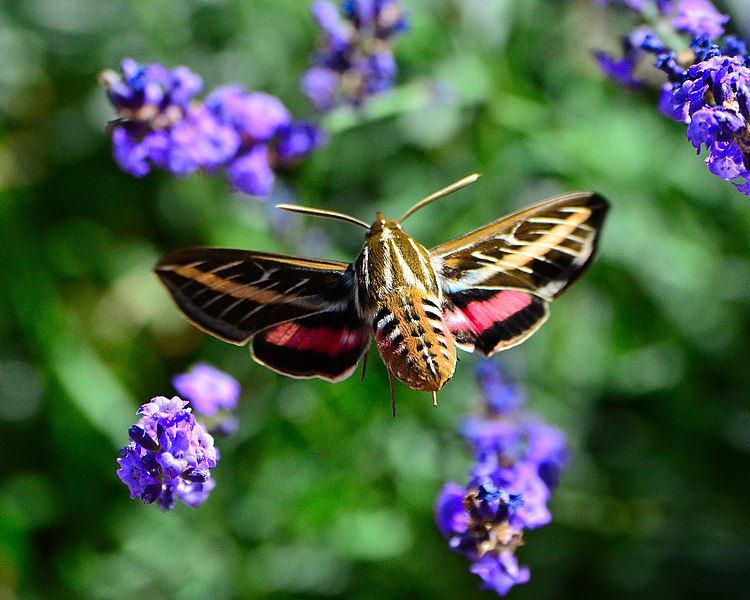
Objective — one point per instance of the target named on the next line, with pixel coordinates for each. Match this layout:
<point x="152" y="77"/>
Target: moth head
<point x="381" y="224"/>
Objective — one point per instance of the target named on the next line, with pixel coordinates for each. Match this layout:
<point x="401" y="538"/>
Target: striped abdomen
<point x="413" y="340"/>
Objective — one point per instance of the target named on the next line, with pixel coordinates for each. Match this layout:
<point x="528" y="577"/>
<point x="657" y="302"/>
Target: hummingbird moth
<point x="484" y="291"/>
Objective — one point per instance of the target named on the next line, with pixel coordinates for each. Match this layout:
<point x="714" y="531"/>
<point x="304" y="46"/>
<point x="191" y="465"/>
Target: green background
<point x="645" y="363"/>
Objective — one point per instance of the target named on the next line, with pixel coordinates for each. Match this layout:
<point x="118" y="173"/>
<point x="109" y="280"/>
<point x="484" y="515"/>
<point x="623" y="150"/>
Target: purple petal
<point x="620" y="70"/>
<point x="500" y="573"/>
<point x="200" y="141"/>
<point x="500" y="395"/>
<point x="497" y="436"/>
<point x="251" y="172"/>
<point x="195" y="493"/>
<point x="131" y="153"/>
<point x="207" y="389"/>
<point x="327" y="15"/>
<point x="666" y="105"/>
<point x="185" y="85"/>
<point x="450" y="514"/>
<point x="319" y="85"/>
<point x="725" y="161"/>
<point x="298" y="140"/>
<point x="383" y="71"/>
<point x="257" y="116"/>
<point x="699" y="18"/>
<point x="703" y="129"/>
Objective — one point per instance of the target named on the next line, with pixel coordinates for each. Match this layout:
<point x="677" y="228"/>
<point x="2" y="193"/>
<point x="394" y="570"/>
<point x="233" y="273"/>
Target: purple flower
<point x="547" y="448"/>
<point x="666" y="107"/>
<point x="256" y="116"/>
<point x="703" y="129"/>
<point x="132" y="152"/>
<point x="725" y="160"/>
<point x="501" y="395"/>
<point x="708" y="88"/>
<point x="355" y="55"/>
<point x="638" y="41"/>
<point x="733" y="46"/>
<point x="713" y="100"/>
<point x="477" y="522"/>
<point x="161" y="124"/>
<point x="198" y="141"/>
<point x="207" y="389"/>
<point x="269" y="137"/>
<point x="251" y="172"/>
<point x="320" y="85"/>
<point x="506" y="436"/>
<point x="150" y="93"/>
<point x="169" y="455"/>
<point x="380" y="72"/>
<point x="452" y="518"/>
<point x="297" y="140"/>
<point x="326" y="14"/>
<point x="620" y="70"/>
<point x="518" y="461"/>
<point x="493" y="437"/>
<point x="522" y="480"/>
<point x="501" y="572"/>
<point x="699" y="18"/>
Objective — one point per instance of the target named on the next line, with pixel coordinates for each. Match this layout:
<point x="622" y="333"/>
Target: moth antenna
<point x="434" y="399"/>
<point x="454" y="187"/>
<point x="393" y="394"/>
<point x="320" y="212"/>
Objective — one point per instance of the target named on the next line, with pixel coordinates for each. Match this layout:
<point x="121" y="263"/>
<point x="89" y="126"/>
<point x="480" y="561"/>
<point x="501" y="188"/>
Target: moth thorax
<point x="392" y="260"/>
<point x="415" y="343"/>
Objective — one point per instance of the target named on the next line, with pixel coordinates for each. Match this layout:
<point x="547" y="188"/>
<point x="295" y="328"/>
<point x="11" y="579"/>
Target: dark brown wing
<point x="541" y="249"/>
<point x="233" y="294"/>
<point x="301" y="311"/>
<point x="497" y="279"/>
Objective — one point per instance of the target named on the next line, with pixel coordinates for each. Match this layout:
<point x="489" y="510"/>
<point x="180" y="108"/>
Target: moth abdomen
<point x="413" y="340"/>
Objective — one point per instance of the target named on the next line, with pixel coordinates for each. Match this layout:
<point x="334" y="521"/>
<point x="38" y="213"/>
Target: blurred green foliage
<point x="645" y="363"/>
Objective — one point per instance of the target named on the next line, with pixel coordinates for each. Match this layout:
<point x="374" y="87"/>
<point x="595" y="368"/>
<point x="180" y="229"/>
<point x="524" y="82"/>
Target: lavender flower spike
<point x="246" y="136"/>
<point x="517" y="463"/>
<point x="355" y="55"/>
<point x="159" y="125"/>
<point x="708" y="88"/>
<point x="477" y="523"/>
<point x="698" y="17"/>
<point x="169" y="455"/>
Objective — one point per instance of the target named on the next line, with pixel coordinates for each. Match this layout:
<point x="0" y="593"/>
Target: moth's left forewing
<point x="497" y="279"/>
<point x="542" y="249"/>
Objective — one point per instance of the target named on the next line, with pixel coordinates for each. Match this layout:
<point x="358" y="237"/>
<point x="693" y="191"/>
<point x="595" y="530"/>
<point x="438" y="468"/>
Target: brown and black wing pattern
<point x="497" y="279"/>
<point x="233" y="294"/>
<point x="301" y="311"/>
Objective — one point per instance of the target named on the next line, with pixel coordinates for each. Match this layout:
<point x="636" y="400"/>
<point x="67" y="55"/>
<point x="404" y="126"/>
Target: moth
<point x="483" y="292"/>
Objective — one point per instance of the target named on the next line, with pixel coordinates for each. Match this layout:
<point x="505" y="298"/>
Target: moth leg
<point x="364" y="365"/>
<point x="393" y="394"/>
<point x="434" y="399"/>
